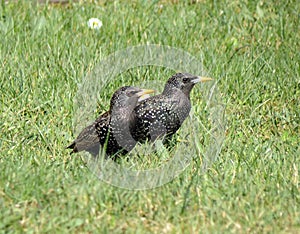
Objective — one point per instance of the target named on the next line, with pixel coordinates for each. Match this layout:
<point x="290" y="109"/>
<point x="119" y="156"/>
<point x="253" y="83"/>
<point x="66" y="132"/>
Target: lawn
<point x="250" y="48"/>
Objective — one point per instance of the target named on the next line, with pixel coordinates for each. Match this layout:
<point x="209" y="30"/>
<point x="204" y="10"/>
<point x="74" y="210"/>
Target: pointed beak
<point x="145" y="91"/>
<point x="198" y="79"/>
<point x="144" y="94"/>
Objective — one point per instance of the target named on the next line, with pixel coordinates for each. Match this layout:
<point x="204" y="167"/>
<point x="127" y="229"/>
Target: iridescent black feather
<point x="162" y="115"/>
<point x="110" y="131"/>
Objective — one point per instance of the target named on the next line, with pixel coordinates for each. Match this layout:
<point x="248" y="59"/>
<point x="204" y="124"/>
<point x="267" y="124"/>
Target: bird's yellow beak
<point x="201" y="79"/>
<point x="144" y="94"/>
<point x="204" y="79"/>
<point x="145" y="91"/>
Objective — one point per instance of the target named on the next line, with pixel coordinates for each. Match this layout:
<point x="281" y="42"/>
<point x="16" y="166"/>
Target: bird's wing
<point x="90" y="137"/>
<point x="154" y="117"/>
<point x="102" y="127"/>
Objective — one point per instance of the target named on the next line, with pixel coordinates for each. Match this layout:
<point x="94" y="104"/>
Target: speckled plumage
<point x="162" y="115"/>
<point x="111" y="129"/>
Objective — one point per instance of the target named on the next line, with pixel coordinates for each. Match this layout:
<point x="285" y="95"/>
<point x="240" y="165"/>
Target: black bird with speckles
<point x="111" y="129"/>
<point x="162" y="115"/>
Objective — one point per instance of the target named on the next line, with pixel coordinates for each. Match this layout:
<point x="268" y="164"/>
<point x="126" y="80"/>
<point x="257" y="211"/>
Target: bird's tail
<point x="73" y="147"/>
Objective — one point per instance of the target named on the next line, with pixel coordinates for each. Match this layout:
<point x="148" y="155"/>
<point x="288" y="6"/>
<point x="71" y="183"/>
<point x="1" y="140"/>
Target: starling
<point x="163" y="114"/>
<point x="111" y="129"/>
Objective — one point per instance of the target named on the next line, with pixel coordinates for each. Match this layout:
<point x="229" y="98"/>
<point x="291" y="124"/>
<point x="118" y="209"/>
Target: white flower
<point x="94" y="23"/>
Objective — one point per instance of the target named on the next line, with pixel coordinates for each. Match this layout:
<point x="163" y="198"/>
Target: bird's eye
<point x="131" y="93"/>
<point x="185" y="79"/>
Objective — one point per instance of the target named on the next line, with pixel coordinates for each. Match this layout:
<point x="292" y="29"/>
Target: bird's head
<point x="128" y="97"/>
<point x="184" y="82"/>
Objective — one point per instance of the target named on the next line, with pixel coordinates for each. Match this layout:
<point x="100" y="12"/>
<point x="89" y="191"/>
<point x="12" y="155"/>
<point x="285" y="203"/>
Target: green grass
<point x="250" y="48"/>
